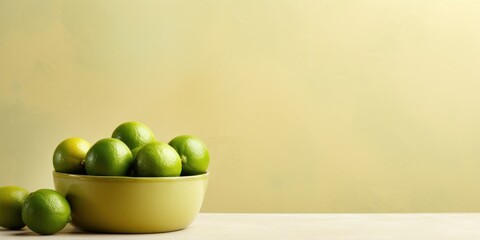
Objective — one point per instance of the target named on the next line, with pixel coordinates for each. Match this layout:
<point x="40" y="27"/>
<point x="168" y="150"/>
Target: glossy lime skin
<point x="135" y="151"/>
<point x="157" y="160"/>
<point x="69" y="156"/>
<point x="193" y="152"/>
<point x="46" y="212"/>
<point x="109" y="157"/>
<point x="134" y="134"/>
<point x="11" y="202"/>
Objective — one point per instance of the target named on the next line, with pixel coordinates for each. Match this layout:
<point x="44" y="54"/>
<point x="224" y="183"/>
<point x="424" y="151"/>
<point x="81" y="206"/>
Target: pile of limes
<point x="132" y="151"/>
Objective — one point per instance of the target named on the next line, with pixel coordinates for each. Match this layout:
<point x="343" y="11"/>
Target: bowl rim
<point x="129" y="179"/>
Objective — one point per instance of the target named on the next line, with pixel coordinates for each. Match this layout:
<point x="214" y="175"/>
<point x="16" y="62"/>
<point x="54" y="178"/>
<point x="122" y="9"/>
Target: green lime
<point x="69" y="156"/>
<point x="193" y="152"/>
<point x="46" y="212"/>
<point x="11" y="202"/>
<point x="109" y="157"/>
<point x="134" y="134"/>
<point x="135" y="151"/>
<point x="157" y="160"/>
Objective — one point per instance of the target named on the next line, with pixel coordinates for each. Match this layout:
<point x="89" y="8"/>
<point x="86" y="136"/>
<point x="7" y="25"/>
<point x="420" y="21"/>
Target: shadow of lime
<point x="66" y="231"/>
<point x="10" y="230"/>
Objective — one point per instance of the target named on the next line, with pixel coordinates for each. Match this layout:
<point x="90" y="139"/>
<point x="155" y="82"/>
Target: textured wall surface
<point x="307" y="106"/>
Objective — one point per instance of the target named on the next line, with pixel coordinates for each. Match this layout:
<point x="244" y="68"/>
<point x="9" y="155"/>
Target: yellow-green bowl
<point x="132" y="204"/>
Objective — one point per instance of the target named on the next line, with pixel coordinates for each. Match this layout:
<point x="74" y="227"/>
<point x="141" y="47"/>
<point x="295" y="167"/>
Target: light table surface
<point x="214" y="226"/>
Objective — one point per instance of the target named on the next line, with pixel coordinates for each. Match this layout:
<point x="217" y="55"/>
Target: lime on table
<point x="46" y="212"/>
<point x="134" y="134"/>
<point x="11" y="202"/>
<point x="69" y="156"/>
<point x="193" y="152"/>
<point x="109" y="157"/>
<point x="157" y="160"/>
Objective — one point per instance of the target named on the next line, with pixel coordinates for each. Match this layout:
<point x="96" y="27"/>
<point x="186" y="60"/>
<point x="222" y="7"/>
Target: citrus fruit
<point x="134" y="134"/>
<point x="46" y="212"/>
<point x="193" y="152"/>
<point x="11" y="202"/>
<point x="135" y="151"/>
<point x="157" y="160"/>
<point x="69" y="156"/>
<point x="109" y="157"/>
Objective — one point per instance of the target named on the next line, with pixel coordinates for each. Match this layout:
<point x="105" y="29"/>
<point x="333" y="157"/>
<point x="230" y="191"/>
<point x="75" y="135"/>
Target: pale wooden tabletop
<point x="213" y="226"/>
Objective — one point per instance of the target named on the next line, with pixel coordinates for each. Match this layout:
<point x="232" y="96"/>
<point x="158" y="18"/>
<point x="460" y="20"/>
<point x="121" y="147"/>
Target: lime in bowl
<point x="132" y="204"/>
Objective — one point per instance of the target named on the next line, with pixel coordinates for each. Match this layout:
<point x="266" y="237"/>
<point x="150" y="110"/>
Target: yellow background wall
<point x="307" y="106"/>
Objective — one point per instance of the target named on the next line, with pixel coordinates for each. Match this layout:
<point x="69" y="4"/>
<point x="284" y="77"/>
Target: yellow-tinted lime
<point x="109" y="157"/>
<point x="11" y="202"/>
<point x="157" y="160"/>
<point x="69" y="156"/>
<point x="46" y="212"/>
<point x="134" y="134"/>
<point x="193" y="152"/>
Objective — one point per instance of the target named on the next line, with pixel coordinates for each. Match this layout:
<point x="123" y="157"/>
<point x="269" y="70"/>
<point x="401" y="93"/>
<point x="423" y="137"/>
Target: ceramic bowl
<point x="132" y="204"/>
